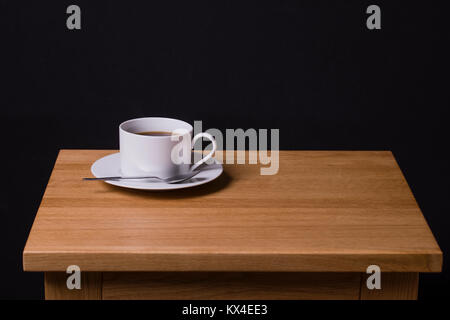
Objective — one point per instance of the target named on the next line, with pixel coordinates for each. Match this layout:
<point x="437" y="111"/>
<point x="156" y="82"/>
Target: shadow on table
<point x="197" y="191"/>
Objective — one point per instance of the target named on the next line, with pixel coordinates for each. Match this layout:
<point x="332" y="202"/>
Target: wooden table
<point x="308" y="232"/>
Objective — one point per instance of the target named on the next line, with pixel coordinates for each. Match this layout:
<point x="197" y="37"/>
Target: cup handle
<point x="209" y="155"/>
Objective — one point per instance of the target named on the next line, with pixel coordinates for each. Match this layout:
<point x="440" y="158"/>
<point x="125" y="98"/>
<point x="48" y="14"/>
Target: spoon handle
<point x="119" y="178"/>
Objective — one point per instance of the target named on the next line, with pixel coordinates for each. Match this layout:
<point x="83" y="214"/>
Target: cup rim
<point x="151" y="118"/>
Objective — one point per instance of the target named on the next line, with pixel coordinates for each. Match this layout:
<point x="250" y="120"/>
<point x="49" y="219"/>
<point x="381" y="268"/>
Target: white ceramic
<point x="110" y="166"/>
<point x="162" y="156"/>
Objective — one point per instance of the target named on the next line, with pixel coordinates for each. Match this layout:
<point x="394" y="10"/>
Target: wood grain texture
<point x="56" y="287"/>
<point x="230" y="285"/>
<point x="394" y="286"/>
<point x="324" y="211"/>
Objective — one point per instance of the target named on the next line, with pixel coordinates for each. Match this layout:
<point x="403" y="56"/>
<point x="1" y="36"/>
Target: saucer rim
<point x="168" y="187"/>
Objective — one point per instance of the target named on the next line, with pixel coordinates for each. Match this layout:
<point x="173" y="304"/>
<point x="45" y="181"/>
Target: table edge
<point x="328" y="262"/>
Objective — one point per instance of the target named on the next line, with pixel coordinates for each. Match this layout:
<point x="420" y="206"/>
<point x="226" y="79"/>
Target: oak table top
<point x="325" y="211"/>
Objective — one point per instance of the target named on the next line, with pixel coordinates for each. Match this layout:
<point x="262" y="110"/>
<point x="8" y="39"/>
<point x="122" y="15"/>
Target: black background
<point x="310" y="68"/>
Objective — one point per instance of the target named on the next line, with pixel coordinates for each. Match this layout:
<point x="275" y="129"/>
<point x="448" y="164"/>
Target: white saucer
<point x="110" y="166"/>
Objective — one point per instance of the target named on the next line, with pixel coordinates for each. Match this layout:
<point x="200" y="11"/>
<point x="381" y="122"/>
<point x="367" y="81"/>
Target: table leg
<point x="394" y="286"/>
<point x="56" y="288"/>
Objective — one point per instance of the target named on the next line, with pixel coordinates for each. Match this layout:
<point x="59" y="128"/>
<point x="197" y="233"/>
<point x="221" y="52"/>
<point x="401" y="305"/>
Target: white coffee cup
<point x="162" y="156"/>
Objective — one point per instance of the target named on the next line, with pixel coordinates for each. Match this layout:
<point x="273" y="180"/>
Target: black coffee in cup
<point x="155" y="133"/>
